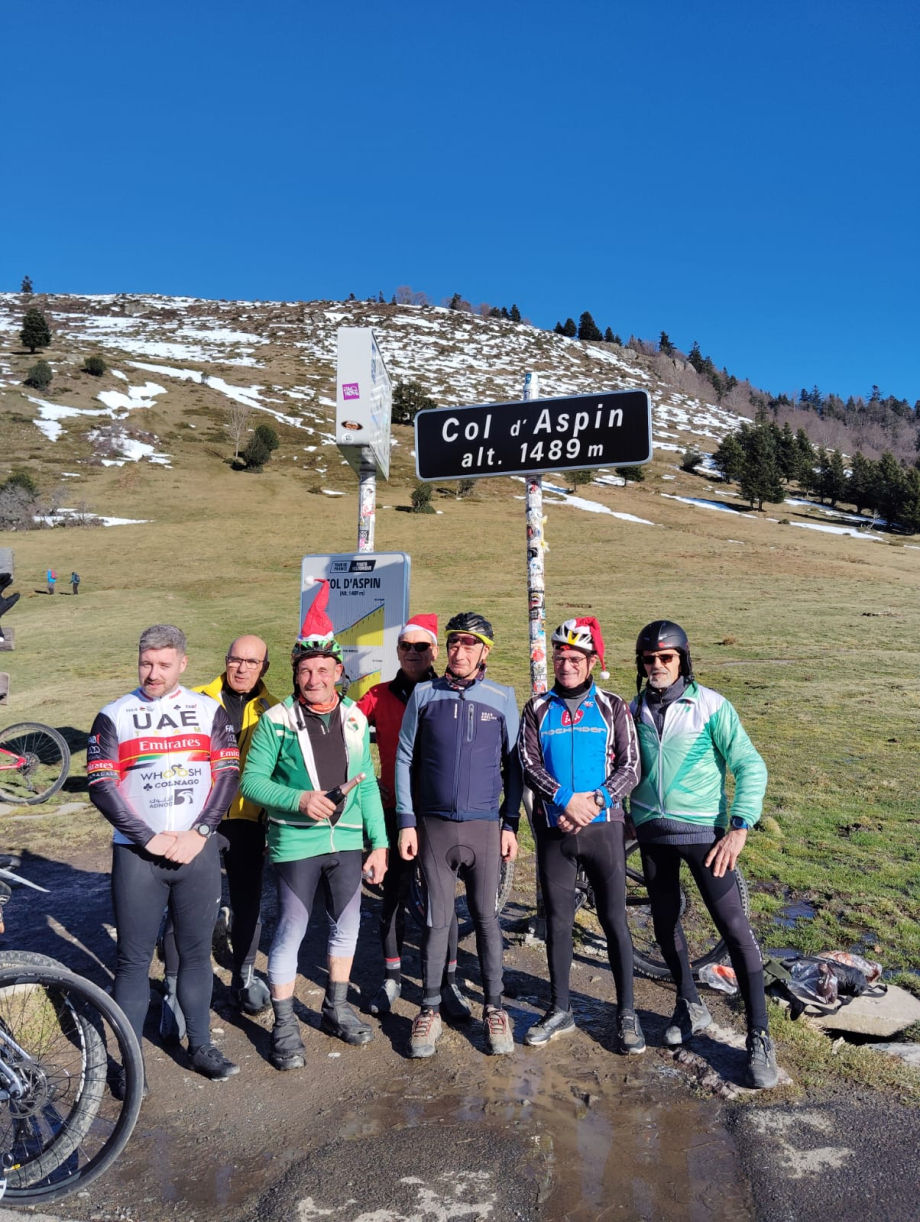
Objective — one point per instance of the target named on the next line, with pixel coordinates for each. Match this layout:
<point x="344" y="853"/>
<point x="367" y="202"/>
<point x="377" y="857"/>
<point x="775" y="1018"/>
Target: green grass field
<point x="814" y="637"/>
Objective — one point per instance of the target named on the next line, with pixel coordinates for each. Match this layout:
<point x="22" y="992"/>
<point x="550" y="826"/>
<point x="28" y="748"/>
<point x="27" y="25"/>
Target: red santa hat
<point x="316" y="632"/>
<point x="583" y="632"/>
<point x="421" y="623"/>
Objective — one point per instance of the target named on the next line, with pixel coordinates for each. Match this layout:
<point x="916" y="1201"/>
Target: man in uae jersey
<point x="163" y="766"/>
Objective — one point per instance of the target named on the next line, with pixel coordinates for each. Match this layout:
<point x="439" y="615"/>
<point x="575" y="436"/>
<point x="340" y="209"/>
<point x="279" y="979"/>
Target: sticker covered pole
<point x="536" y="586"/>
<point x="367" y="504"/>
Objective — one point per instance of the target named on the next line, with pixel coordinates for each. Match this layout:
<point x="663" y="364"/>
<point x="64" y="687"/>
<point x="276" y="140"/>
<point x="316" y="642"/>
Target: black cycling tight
<point x="142" y="886"/>
<point x="600" y="849"/>
<point x="661" y="865"/>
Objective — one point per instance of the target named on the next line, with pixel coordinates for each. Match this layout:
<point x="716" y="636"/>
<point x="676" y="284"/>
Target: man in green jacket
<point x="688" y="736"/>
<point x="310" y="767"/>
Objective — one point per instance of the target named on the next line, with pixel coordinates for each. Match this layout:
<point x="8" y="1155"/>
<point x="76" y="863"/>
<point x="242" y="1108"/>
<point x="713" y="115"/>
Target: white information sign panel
<point x="368" y="604"/>
<point x="363" y="398"/>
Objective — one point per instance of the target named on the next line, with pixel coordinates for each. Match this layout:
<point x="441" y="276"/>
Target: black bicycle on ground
<point x="64" y="1046"/>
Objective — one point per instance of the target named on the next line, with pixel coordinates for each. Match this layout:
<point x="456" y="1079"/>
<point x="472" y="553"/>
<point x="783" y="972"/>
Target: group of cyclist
<point x="164" y="768"/>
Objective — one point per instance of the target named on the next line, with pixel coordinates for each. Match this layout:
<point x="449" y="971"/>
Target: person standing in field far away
<point x="581" y="759"/>
<point x="688" y="736"/>
<point x="384" y="706"/>
<point x="457" y="752"/>
<point x="163" y="766"/>
<point x="51" y="578"/>
<point x="310" y="766"/>
<point x="75" y="582"/>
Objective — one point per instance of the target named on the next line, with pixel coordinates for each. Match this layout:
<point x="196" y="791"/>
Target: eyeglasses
<point x="567" y="659"/>
<point x="418" y="646"/>
<point x="244" y="662"/>
<point x="664" y="658"/>
<point x="464" y="642"/>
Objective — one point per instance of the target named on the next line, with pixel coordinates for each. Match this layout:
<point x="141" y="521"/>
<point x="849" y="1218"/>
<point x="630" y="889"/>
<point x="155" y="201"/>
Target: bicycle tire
<point x="417" y="900"/>
<point x="46" y="768"/>
<point x="704" y="944"/>
<point x="67" y="1128"/>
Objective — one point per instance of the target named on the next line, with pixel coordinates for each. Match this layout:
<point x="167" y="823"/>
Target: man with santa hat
<point x="310" y="767"/>
<point x="580" y="756"/>
<point x="384" y="706"/>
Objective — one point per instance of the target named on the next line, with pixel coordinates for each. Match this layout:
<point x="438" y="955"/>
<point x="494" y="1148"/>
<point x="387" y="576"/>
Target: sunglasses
<point x="417" y="646"/>
<point x="463" y="642"/>
<point x="665" y="658"/>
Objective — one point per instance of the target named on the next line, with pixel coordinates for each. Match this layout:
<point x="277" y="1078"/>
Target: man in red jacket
<point x="383" y="706"/>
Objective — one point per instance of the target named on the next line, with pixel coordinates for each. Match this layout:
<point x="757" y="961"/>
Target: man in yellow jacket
<point x="242" y="692"/>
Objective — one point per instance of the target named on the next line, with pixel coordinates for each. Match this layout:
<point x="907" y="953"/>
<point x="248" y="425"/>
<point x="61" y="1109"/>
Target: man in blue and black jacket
<point x="457" y="752"/>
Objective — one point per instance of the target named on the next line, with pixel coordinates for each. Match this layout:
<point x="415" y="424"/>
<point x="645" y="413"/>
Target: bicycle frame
<point x="18" y="761"/>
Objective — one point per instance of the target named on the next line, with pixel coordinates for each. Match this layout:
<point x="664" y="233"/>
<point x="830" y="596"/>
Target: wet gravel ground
<point x="571" y="1132"/>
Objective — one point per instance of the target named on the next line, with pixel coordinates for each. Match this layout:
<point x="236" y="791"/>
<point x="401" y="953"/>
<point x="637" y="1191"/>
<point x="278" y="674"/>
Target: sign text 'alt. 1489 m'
<point x="613" y="429"/>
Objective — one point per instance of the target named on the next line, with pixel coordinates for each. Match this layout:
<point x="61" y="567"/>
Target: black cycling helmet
<point x="472" y="623"/>
<point x="663" y="634"/>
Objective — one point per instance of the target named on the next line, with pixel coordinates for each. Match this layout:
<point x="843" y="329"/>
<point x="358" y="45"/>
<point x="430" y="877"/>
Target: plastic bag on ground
<point x="720" y="977"/>
<point x="869" y="968"/>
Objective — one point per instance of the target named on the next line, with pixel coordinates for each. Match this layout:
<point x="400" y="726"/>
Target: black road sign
<point x="613" y="429"/>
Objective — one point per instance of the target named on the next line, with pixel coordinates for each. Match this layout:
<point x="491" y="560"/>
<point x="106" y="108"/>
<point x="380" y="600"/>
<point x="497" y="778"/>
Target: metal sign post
<point x="536" y="584"/>
<point x="363" y="408"/>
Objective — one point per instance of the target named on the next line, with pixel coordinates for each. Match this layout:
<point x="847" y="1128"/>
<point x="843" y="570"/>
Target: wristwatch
<point x="203" y="830"/>
<point x="738" y="824"/>
<point x="599" y="799"/>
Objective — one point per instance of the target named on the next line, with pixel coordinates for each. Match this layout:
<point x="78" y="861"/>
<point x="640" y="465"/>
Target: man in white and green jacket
<point x="688" y="736"/>
<point x="310" y="767"/>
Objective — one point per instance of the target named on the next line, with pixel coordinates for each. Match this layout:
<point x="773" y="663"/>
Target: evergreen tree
<point x="504" y="313"/>
<point x="761" y="478"/>
<point x="892" y="489"/>
<point x="455" y="302"/>
<point x="255" y="454"/>
<point x="409" y="399"/>
<point x="35" y="331"/>
<point x="94" y="365"/>
<point x="805" y="459"/>
<point x="559" y="330"/>
<point x="786" y="453"/>
<point x="39" y="376"/>
<point x="609" y="337"/>
<point x="696" y="357"/>
<point x="421" y="498"/>
<point x="910" y="505"/>
<point x="569" y="329"/>
<point x="632" y="475"/>
<point x="729" y="458"/>
<point x="267" y="435"/>
<point x="862" y="485"/>
<point x="514" y="314"/>
<point x="495" y="312"/>
<point x="835" y="482"/>
<point x="26" y="286"/>
<point x="381" y="300"/>
<point x="664" y="344"/>
<point x="588" y="329"/>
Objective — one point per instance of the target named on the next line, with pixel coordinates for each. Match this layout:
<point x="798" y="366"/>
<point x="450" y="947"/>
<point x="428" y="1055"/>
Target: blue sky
<point x="745" y="176"/>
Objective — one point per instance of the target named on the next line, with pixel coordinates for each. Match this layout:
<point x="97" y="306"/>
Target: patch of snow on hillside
<point x="55" y="519"/>
<point x="137" y="396"/>
<point x="579" y="502"/>
<point x="703" y="504"/>
<point x="50" y="415"/>
<point x="131" y="449"/>
<point x="838" y="530"/>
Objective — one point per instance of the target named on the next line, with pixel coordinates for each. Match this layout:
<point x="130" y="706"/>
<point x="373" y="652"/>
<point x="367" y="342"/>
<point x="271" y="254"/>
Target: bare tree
<point x="238" y="417"/>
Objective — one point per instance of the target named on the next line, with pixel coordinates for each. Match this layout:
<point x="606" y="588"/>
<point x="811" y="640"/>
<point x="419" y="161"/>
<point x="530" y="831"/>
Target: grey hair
<point x="163" y="636"/>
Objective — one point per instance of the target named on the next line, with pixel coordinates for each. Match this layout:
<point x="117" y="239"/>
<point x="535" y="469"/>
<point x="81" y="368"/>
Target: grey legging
<point x="340" y="874"/>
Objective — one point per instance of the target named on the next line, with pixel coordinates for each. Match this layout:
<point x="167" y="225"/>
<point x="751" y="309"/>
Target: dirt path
<point x="568" y="1132"/>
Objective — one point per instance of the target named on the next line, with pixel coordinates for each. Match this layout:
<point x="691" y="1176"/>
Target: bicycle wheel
<point x="417" y="901"/>
<point x="62" y="1041"/>
<point x="45" y="763"/>
<point x="703" y="941"/>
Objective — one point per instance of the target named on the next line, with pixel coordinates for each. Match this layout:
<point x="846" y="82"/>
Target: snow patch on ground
<point x="837" y="530"/>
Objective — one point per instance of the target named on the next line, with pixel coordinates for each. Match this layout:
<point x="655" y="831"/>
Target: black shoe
<point x="554" y="1022"/>
<point x="453" y="1004"/>
<point x="340" y="1020"/>
<point x="762" y="1073"/>
<point x="249" y="992"/>
<point x="119" y="1085"/>
<point x="632" y="1041"/>
<point x="287" y="1050"/>
<point x="688" y="1018"/>
<point x="210" y="1061"/>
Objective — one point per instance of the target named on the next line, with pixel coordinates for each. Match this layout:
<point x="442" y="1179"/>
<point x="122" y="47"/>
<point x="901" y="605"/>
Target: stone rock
<point x="879" y="1016"/>
<point x="907" y="1052"/>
